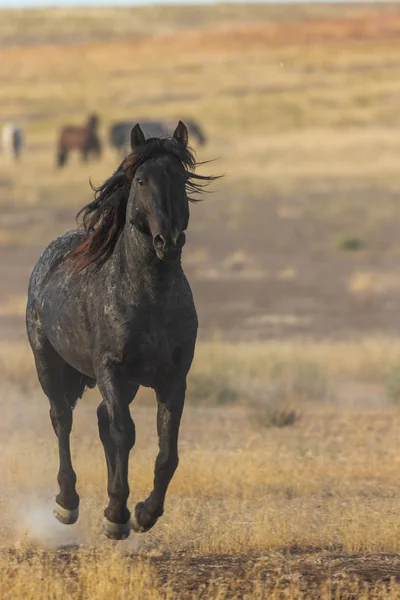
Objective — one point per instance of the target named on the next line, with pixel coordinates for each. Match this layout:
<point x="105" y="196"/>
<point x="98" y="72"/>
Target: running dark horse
<point x="110" y="304"/>
<point x="84" y="138"/>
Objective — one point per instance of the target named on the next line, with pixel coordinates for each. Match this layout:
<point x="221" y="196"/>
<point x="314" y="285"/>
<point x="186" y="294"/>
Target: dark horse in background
<point x="85" y="139"/>
<point x="110" y="305"/>
<point x="119" y="133"/>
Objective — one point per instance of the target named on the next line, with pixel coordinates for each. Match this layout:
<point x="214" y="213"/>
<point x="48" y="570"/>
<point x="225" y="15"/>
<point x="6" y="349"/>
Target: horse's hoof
<point x="64" y="515"/>
<point x="116" y="531"/>
<point x="141" y="521"/>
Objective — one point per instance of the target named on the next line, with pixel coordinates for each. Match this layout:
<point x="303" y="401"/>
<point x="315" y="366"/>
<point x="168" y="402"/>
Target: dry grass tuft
<point x="269" y="415"/>
<point x="373" y="282"/>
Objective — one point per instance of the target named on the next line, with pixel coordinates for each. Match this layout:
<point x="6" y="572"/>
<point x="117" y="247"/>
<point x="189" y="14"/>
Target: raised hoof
<point x="116" y="531"/>
<point x="141" y="520"/>
<point x="65" y="516"/>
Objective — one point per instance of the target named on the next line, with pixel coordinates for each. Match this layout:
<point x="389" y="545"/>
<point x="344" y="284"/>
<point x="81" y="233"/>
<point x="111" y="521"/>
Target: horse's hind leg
<point x="62" y="385"/>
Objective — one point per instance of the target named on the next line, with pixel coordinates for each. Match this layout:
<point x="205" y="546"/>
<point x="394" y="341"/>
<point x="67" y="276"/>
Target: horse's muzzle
<point x="168" y="248"/>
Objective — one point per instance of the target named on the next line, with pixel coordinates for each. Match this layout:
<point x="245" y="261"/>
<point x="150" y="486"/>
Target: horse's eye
<point x="139" y="181"/>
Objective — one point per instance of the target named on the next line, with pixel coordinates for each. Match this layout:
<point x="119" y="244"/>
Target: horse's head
<point x="149" y="192"/>
<point x="159" y="205"/>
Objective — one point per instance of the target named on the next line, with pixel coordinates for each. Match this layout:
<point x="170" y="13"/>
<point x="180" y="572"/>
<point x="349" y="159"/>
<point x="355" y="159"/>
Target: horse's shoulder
<point x="59" y="248"/>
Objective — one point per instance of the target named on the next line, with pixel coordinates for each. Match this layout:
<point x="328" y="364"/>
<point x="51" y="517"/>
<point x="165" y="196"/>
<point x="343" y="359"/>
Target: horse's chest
<point x="158" y="345"/>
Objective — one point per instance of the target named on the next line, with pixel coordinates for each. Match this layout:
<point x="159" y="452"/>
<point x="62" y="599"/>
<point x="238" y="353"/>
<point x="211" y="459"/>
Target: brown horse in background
<point x="85" y="139"/>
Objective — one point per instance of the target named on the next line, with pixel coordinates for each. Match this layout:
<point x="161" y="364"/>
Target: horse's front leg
<point x="170" y="405"/>
<point x="117" y="433"/>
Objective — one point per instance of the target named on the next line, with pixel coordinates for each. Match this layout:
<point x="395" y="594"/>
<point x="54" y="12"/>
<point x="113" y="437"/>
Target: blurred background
<point x="298" y="105"/>
<point x="294" y="258"/>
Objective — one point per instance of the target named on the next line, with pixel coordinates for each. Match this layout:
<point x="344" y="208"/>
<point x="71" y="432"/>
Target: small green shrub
<point x="350" y="243"/>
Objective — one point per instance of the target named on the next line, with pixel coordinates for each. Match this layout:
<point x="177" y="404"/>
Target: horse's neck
<point x="139" y="263"/>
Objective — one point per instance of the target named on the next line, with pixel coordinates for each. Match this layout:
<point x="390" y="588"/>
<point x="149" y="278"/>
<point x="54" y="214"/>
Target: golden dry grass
<point x="246" y="367"/>
<point x="326" y="487"/>
<point x="293" y="102"/>
<point x="256" y="90"/>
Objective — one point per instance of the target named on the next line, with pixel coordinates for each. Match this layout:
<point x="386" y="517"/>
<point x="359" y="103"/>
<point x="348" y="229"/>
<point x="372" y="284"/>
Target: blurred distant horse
<point x="119" y="133"/>
<point x="83" y="138"/>
<point x="12" y="140"/>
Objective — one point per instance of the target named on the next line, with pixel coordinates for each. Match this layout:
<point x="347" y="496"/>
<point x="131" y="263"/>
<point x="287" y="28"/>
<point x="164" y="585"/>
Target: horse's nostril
<point x="159" y="241"/>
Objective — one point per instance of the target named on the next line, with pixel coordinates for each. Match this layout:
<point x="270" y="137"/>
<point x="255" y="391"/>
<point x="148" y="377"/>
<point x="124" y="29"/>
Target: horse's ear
<point x="181" y="134"/>
<point x="137" y="137"/>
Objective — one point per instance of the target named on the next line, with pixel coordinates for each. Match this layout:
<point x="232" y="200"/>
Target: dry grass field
<point x="287" y="486"/>
<point x="289" y="480"/>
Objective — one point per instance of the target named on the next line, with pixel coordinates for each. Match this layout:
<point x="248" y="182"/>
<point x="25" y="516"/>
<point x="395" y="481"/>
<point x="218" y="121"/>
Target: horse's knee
<point x="120" y="430"/>
<point x="123" y="434"/>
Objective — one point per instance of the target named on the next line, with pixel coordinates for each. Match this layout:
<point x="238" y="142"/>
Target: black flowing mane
<point x="103" y="219"/>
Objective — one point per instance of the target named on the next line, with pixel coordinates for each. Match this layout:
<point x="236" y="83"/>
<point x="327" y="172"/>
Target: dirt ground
<point x="288" y="485"/>
<point x="300" y="573"/>
<point x="277" y="274"/>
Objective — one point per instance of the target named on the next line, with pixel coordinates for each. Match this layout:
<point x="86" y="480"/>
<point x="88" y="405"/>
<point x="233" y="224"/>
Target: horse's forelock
<point x="154" y="147"/>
